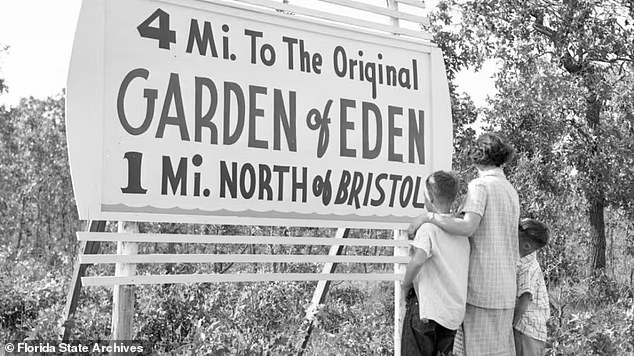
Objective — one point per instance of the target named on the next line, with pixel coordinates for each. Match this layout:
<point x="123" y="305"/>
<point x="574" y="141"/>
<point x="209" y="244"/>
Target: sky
<point x="40" y="34"/>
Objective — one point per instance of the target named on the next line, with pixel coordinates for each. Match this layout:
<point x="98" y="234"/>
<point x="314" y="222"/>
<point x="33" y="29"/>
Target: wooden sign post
<point x="243" y="112"/>
<point x="123" y="296"/>
<point x="399" y="298"/>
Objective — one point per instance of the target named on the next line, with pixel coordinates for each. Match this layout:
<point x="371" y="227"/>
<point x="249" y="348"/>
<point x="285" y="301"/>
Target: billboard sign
<point x="190" y="111"/>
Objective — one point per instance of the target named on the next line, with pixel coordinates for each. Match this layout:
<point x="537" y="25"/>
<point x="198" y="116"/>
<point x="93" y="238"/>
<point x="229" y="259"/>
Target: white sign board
<point x="188" y="111"/>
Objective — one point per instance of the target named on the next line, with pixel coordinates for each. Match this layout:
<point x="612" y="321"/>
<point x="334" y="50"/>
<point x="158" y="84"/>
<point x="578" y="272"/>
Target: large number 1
<point x="162" y="33"/>
<point x="134" y="173"/>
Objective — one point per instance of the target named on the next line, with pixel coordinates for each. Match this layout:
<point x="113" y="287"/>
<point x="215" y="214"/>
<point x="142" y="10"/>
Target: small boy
<point x="438" y="272"/>
<point x="531" y="309"/>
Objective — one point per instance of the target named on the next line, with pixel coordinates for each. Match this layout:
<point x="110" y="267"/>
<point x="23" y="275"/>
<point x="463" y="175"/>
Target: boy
<point x="531" y="308"/>
<point x="438" y="272"/>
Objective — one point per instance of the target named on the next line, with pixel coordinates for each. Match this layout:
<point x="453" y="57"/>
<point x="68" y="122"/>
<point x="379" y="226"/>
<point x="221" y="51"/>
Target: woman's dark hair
<point x="490" y="150"/>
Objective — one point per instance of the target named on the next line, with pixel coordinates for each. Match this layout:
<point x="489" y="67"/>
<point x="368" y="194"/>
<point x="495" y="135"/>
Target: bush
<point x="592" y="317"/>
<point x="248" y="318"/>
<point x="357" y="319"/>
<point x="30" y="296"/>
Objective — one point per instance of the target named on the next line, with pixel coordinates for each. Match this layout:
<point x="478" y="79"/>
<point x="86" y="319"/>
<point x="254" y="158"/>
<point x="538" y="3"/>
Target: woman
<point x="491" y="215"/>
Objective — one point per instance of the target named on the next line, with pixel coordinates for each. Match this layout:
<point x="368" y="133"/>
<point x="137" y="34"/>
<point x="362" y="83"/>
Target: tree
<point x="566" y="73"/>
<point x="458" y="55"/>
<point x="3" y="87"/>
<point x="38" y="209"/>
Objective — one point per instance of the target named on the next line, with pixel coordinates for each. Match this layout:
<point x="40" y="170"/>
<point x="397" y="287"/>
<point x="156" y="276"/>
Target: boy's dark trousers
<point x="424" y="338"/>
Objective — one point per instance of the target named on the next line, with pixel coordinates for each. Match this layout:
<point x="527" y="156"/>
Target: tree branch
<point x="580" y="130"/>
<point x="572" y="66"/>
<point x="610" y="61"/>
<point x="539" y="26"/>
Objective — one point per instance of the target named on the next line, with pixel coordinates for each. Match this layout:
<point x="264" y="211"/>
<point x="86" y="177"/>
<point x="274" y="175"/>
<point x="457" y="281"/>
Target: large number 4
<point x="162" y="33"/>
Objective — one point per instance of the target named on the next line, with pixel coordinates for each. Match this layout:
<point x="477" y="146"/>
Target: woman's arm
<point x="465" y="225"/>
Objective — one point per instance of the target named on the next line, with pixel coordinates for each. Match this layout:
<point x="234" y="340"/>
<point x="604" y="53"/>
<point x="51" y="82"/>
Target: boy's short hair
<point x="490" y="150"/>
<point x="536" y="231"/>
<point x="443" y="185"/>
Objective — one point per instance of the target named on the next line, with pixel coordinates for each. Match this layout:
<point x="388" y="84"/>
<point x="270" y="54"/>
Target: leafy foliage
<point x="564" y="69"/>
<point x="223" y="319"/>
<point x="30" y="297"/>
<point x="36" y="201"/>
<point x="356" y="320"/>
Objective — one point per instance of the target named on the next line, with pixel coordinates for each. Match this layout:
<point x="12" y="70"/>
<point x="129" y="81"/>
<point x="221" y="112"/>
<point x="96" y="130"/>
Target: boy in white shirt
<point x="435" y="283"/>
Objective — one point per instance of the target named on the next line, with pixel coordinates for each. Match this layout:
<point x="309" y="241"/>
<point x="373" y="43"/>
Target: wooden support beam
<point x="237" y="258"/>
<point x="237" y="277"/>
<point x="236" y="239"/>
<point x="123" y="295"/>
<point x="86" y="248"/>
<point x="399" y="298"/>
<point x="415" y="3"/>
<point x="322" y="288"/>
<point x="353" y="4"/>
<point x="341" y="19"/>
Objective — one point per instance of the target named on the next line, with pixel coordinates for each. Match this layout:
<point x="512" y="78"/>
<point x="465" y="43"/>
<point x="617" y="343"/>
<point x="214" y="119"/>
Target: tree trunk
<point x="217" y="265"/>
<point x="21" y="224"/>
<point x="597" y="233"/>
<point x="38" y="239"/>
<point x="596" y="198"/>
<point x="63" y="227"/>
<point x="171" y="249"/>
<point x="48" y="228"/>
